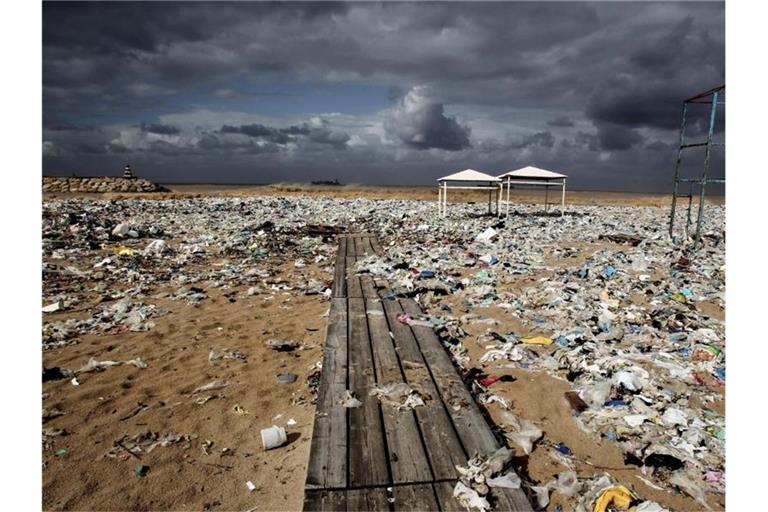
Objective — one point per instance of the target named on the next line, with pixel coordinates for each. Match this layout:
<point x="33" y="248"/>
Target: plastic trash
<point x="538" y="340"/>
<point x="507" y="481"/>
<point x="286" y="378"/>
<point x="281" y="345"/>
<point x="613" y="498"/>
<point x="216" y="384"/>
<point x="349" y="400"/>
<point x="273" y="437"/>
<point x="488" y="235"/>
<point x="399" y="395"/>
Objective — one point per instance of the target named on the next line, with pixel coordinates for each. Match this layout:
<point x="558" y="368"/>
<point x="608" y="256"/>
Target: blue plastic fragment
<point x="426" y="274"/>
<point x="615" y="403"/>
<point x="608" y="272"/>
<point x="562" y="449"/>
<point x="720" y="373"/>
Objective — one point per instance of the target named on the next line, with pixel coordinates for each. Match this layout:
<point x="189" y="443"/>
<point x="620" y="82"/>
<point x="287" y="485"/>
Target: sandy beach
<point x="239" y="266"/>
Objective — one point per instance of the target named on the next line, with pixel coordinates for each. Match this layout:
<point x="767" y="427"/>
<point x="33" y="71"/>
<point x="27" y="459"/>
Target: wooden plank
<point x="353" y="280"/>
<point x="376" y="246"/>
<point x="407" y="458"/>
<point x="367" y="456"/>
<point x="368" y="287"/>
<point x="350" y="248"/>
<point x="443" y="446"/>
<point x="444" y="492"/>
<point x="470" y="424"/>
<point x="367" y="499"/>
<point x="322" y="500"/>
<point x="473" y="430"/>
<point x="328" y="449"/>
<point x="369" y="245"/>
<point x="341" y="251"/>
<point x="415" y="498"/>
<point x="509" y="499"/>
<point x="339" y="277"/>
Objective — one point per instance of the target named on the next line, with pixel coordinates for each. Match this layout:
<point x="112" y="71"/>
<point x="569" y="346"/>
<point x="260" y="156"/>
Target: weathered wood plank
<point x="368" y="287"/>
<point x="353" y="280"/>
<point x="369" y="245"/>
<point x="442" y="444"/>
<point x="359" y="247"/>
<point x="407" y="458"/>
<point x="350" y="247"/>
<point x="367" y="499"/>
<point x="322" y="500"/>
<point x="444" y="492"/>
<point x="328" y="449"/>
<point x="509" y="499"/>
<point x="473" y="430"/>
<point x="341" y="251"/>
<point x="367" y="456"/>
<point x="415" y="498"/>
<point x="339" y="277"/>
<point x="377" y="246"/>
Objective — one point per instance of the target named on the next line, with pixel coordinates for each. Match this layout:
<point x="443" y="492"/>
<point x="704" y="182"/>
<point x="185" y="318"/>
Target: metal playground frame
<point x="715" y="98"/>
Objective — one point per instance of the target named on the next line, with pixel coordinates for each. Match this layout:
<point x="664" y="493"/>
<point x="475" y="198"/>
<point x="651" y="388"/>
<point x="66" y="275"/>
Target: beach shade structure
<point x="533" y="176"/>
<point x="468" y="179"/>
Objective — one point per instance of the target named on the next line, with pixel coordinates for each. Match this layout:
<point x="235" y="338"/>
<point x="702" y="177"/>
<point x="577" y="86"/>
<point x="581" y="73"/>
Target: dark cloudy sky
<point x="376" y="93"/>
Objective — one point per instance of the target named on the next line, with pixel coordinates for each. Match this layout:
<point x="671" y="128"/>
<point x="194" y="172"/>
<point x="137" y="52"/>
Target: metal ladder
<point x="716" y="94"/>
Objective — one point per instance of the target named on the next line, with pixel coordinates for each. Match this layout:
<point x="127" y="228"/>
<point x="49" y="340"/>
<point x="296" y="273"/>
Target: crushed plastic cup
<point x="273" y="437"/>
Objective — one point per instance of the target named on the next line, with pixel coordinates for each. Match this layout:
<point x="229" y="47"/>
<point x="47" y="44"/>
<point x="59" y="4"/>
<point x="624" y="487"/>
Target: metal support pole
<point x="445" y="199"/>
<point x="704" y="176"/>
<point x="546" y="198"/>
<point x="439" y="200"/>
<point x="677" y="171"/>
<point x="562" y="201"/>
<point x="490" y="193"/>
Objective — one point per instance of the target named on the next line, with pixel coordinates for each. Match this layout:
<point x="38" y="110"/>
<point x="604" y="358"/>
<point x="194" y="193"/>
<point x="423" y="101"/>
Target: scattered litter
<point x="399" y="395"/>
<point x="273" y="437"/>
<point x="286" y="378"/>
<point x="282" y="346"/>
<point x="216" y="384"/>
<point x="94" y="365"/>
<point x="227" y="354"/>
<point x="349" y="400"/>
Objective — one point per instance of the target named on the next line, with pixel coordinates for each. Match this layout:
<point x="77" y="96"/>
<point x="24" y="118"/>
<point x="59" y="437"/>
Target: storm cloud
<point x="420" y="122"/>
<point x="387" y="92"/>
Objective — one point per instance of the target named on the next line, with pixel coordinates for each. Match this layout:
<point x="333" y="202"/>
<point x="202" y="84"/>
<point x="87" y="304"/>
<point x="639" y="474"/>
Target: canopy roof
<point x="469" y="175"/>
<point x="533" y="173"/>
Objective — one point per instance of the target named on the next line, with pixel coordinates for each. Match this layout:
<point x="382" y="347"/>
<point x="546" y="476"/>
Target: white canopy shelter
<point x="533" y="176"/>
<point x="480" y="180"/>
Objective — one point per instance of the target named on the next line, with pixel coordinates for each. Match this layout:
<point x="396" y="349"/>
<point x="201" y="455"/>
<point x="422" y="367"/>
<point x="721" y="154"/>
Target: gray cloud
<point x="420" y="122"/>
<point x="562" y="121"/>
<point x="162" y="129"/>
<point x="496" y="80"/>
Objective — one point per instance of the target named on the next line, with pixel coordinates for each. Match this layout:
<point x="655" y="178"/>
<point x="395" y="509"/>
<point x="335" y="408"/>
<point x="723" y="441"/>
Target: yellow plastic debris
<point x="617" y="497"/>
<point x="538" y="340"/>
<point x="123" y="251"/>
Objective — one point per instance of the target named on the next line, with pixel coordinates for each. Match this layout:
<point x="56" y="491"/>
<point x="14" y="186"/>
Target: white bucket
<point x="273" y="437"/>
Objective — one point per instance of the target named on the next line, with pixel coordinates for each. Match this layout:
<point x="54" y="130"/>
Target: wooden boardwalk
<point x="375" y="457"/>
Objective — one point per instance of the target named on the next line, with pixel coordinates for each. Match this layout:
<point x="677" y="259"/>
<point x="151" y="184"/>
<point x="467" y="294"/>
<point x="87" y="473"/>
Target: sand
<point x="182" y="476"/>
<point x="391" y="192"/>
<point x="194" y="474"/>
